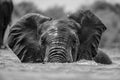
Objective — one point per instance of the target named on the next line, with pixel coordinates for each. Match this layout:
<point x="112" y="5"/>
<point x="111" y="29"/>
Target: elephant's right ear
<point x="23" y="37"/>
<point x="90" y="33"/>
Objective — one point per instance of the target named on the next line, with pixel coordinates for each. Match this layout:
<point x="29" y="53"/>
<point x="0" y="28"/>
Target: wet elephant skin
<point x="37" y="38"/>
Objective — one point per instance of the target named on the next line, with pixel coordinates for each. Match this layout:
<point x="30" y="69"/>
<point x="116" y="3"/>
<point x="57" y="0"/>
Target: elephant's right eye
<point x="52" y="30"/>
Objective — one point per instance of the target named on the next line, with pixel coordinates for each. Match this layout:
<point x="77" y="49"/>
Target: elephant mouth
<point x="58" y="52"/>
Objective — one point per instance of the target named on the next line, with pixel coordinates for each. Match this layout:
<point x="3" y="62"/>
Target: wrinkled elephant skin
<point x="37" y="38"/>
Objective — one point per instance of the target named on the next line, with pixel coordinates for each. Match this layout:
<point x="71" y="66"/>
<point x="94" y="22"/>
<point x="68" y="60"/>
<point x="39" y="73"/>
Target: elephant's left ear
<point x="90" y="33"/>
<point x="87" y="18"/>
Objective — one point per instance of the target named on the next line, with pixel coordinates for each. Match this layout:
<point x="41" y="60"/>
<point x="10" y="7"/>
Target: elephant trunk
<point x="58" y="52"/>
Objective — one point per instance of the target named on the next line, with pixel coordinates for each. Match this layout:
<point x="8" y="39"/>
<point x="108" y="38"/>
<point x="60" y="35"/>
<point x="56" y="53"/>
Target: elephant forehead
<point x="53" y="25"/>
<point x="59" y="25"/>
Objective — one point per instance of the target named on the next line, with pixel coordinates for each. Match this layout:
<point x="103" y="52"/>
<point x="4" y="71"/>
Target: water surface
<point x="12" y="69"/>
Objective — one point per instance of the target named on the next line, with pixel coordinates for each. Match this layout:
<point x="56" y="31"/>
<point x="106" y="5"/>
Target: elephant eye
<point x="63" y="30"/>
<point x="52" y="30"/>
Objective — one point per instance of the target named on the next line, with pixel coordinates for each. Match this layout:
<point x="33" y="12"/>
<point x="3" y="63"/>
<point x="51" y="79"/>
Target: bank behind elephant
<point x="6" y="9"/>
<point x="37" y="38"/>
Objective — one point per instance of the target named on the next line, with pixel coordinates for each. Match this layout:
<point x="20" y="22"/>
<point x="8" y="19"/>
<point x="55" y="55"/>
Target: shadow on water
<point x="12" y="69"/>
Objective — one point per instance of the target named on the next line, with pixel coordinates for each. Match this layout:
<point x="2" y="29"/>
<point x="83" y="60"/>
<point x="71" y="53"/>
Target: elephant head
<point x="37" y="38"/>
<point x="60" y="40"/>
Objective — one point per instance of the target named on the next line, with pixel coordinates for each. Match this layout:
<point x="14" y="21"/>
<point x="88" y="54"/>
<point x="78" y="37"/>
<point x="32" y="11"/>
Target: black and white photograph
<point x="59" y="39"/>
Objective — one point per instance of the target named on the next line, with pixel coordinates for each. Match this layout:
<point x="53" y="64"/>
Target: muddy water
<point x="12" y="69"/>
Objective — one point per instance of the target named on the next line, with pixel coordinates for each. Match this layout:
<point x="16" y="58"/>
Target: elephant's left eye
<point x="63" y="30"/>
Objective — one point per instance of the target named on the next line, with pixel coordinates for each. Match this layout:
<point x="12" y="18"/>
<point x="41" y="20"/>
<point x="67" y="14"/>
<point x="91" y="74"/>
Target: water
<point x="12" y="69"/>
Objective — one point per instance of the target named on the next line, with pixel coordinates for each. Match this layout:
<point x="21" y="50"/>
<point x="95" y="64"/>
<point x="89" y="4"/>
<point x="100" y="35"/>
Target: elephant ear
<point x="23" y="37"/>
<point x="90" y="33"/>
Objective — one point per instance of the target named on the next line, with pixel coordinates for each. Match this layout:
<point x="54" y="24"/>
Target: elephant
<point x="40" y="39"/>
<point x="6" y="9"/>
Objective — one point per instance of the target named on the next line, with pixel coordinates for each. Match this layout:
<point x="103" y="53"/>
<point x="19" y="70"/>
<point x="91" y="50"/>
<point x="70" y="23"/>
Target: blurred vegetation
<point x="55" y="12"/>
<point x="28" y="7"/>
<point x="107" y="12"/>
<point x="24" y="8"/>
